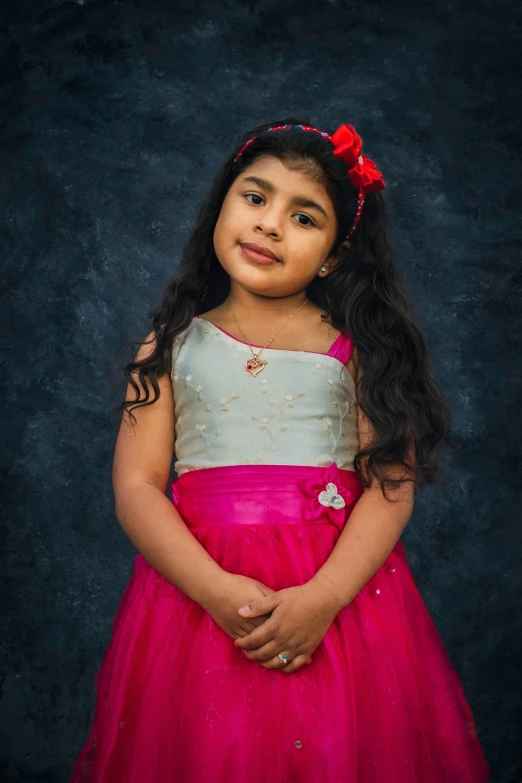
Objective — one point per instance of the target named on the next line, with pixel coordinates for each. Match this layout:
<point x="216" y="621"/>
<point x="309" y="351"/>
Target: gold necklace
<point x="255" y="365"/>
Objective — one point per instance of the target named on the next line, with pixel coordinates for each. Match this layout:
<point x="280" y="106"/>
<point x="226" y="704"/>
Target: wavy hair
<point x="362" y="296"/>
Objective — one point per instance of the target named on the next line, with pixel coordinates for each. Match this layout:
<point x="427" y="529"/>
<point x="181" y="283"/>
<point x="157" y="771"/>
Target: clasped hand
<point x="300" y="618"/>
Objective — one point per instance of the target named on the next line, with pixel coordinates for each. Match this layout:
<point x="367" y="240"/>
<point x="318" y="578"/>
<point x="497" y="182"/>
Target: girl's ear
<point x="334" y="258"/>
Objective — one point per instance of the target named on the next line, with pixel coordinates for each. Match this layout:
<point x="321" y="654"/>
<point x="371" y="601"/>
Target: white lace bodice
<point x="300" y="410"/>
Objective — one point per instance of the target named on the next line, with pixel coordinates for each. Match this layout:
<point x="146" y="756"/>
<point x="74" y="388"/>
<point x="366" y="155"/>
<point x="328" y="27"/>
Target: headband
<point x="347" y="144"/>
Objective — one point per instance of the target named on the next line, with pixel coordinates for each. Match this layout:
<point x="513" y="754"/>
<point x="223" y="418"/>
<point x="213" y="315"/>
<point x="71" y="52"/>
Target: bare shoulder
<point x="210" y="315"/>
<point x="144" y="448"/>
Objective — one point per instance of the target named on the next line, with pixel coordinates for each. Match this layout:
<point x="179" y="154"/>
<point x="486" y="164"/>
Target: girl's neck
<point x="269" y="309"/>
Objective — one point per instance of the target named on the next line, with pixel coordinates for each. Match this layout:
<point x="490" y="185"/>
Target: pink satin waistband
<point x="266" y="494"/>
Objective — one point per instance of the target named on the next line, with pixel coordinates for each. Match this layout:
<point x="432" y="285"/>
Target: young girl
<point x="271" y="630"/>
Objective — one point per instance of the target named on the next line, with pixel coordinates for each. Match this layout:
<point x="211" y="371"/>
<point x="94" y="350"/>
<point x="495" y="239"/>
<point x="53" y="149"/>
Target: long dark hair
<point x="361" y="297"/>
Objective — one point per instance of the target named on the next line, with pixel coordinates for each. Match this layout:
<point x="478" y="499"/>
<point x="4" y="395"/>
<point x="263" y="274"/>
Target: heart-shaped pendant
<point x="254" y="366"/>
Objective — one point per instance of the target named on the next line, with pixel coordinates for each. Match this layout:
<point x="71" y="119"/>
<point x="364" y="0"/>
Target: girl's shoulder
<point x="352" y="365"/>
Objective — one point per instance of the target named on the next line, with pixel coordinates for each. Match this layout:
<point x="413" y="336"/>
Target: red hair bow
<point x="362" y="170"/>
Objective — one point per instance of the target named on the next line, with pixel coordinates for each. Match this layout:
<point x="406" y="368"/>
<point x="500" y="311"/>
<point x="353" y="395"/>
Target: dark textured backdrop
<point x="114" y="117"/>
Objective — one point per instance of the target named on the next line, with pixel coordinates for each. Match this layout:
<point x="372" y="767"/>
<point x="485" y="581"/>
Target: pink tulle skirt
<point x="177" y="702"/>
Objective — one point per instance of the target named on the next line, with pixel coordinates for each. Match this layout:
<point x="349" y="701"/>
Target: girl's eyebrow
<point x="297" y="200"/>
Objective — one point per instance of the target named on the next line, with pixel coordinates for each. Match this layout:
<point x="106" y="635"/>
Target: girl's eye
<point x="255" y="195"/>
<point x="306" y="216"/>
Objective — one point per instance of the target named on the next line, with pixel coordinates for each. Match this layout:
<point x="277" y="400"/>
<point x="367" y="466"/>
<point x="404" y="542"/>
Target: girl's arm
<point x="373" y="528"/>
<point x="141" y="470"/>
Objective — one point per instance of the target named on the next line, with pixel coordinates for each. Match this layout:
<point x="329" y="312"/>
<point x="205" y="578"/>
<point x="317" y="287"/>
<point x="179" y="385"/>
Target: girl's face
<point x="285" y="212"/>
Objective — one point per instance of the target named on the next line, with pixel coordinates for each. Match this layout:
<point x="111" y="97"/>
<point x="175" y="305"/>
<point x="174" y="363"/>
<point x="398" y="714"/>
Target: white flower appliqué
<point x="329" y="497"/>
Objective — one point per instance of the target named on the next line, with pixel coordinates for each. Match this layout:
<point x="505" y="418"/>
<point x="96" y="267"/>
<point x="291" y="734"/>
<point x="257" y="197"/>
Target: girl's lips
<point x="259" y="257"/>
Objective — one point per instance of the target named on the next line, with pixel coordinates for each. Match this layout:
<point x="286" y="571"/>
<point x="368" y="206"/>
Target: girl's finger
<point x="265" y="653"/>
<point x="275" y="663"/>
<point x="261" y="635"/>
<point x="299" y="662"/>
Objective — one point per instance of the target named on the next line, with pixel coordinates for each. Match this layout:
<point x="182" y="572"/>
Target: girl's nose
<point x="270" y="222"/>
<point x="269" y="225"/>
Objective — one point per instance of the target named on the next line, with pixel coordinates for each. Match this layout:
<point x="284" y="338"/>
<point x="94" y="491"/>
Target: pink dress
<point x="266" y="485"/>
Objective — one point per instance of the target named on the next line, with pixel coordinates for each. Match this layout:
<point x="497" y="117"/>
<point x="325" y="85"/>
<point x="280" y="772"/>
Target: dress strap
<point x="342" y="348"/>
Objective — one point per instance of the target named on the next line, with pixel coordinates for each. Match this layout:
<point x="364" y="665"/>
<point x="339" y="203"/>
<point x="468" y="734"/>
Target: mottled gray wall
<point x="114" y="117"/>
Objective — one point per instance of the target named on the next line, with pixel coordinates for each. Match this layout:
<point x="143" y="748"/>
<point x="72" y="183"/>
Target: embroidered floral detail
<point x="326" y="497"/>
<point x="280" y="405"/>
